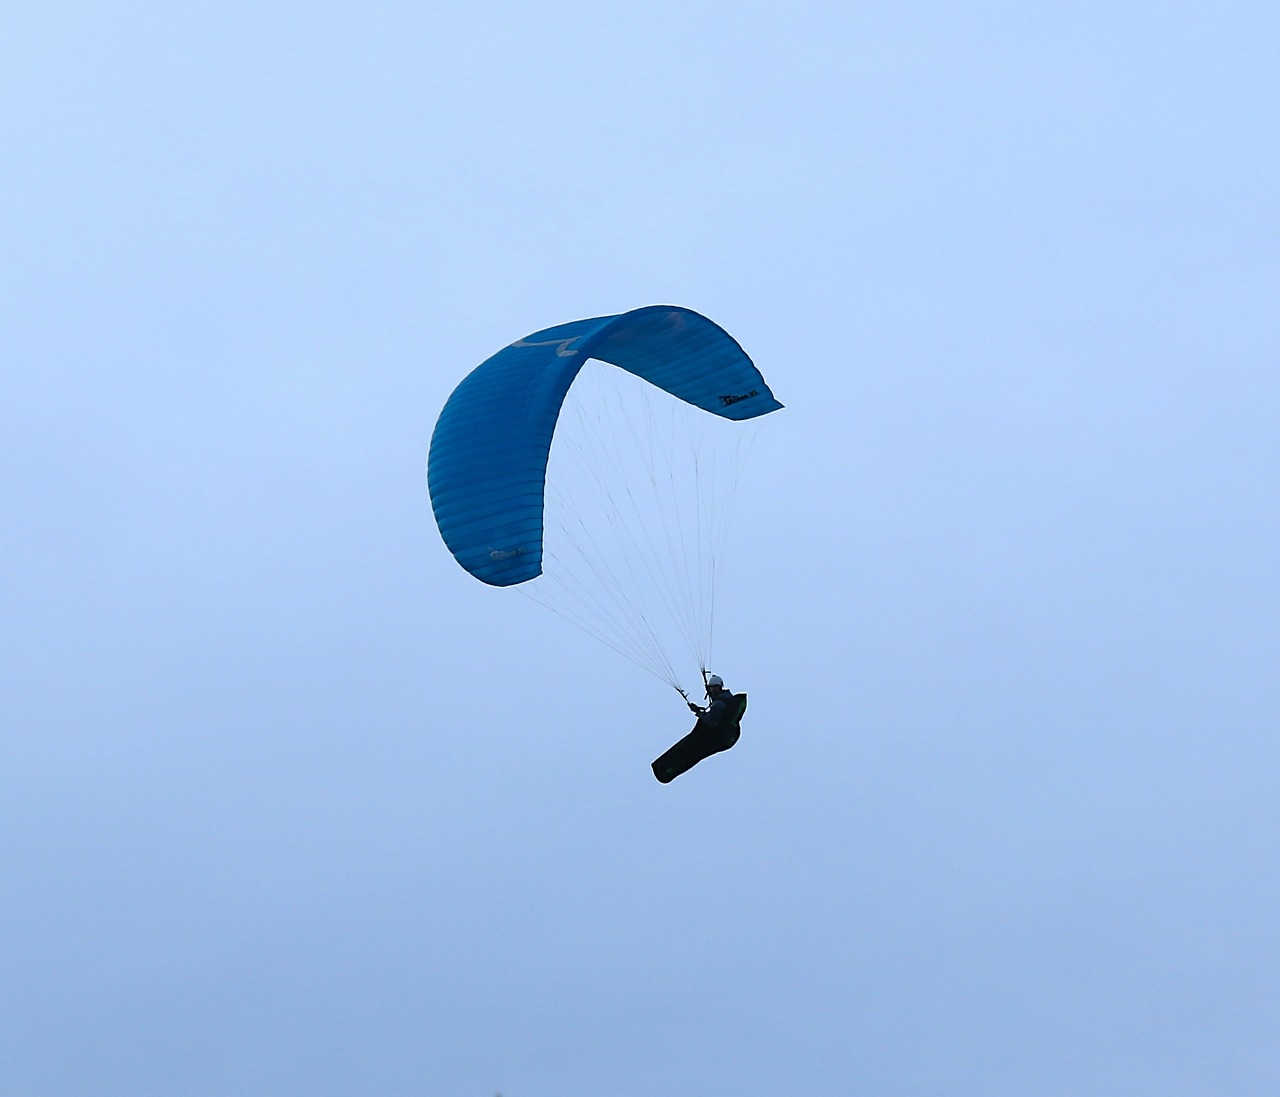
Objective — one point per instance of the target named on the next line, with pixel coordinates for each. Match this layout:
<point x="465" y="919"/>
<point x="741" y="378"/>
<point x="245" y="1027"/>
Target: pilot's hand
<point x="694" y="708"/>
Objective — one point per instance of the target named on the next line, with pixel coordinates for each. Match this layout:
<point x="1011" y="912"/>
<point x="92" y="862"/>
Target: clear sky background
<point x="290" y="805"/>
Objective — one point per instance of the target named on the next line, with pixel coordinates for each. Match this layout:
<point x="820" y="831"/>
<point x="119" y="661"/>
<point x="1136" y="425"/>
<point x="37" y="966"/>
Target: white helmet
<point x="714" y="681"/>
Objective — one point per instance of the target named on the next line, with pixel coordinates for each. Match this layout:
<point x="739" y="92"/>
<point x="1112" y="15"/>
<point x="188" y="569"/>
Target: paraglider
<point x="718" y="727"/>
<point x="508" y="502"/>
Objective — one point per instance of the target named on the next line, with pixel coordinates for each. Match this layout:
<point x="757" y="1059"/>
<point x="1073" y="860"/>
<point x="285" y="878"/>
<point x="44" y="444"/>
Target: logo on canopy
<point x="563" y="346"/>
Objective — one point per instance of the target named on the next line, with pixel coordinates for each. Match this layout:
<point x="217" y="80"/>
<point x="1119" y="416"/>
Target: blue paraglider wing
<point x="488" y="462"/>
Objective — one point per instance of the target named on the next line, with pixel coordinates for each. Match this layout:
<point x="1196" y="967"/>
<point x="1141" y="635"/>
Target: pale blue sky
<point x="291" y="806"/>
